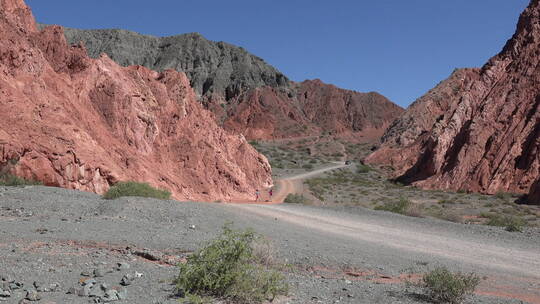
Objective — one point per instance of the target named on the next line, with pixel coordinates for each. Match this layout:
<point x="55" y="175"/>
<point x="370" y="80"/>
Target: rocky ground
<point x="64" y="246"/>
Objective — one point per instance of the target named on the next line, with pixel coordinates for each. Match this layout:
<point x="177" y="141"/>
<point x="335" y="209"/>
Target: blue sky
<point x="398" y="48"/>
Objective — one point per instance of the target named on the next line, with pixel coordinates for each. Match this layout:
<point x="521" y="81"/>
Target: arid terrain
<point x="366" y="198"/>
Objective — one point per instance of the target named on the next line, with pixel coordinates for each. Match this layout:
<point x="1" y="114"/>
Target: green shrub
<point x="295" y="199"/>
<point x="307" y="166"/>
<point x="362" y="169"/>
<point x="135" y="189"/>
<point x="443" y="286"/>
<point x="511" y="223"/>
<point x="400" y="206"/>
<point x="13" y="180"/>
<point x="228" y="268"/>
<point x="503" y="195"/>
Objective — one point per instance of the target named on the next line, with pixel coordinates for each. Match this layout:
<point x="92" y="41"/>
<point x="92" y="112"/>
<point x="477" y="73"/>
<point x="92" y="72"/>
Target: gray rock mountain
<point x="214" y="68"/>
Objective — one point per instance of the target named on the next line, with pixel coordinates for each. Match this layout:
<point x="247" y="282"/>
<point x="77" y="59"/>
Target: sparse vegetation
<point x="510" y="223"/>
<point x="307" y="166"/>
<point x="295" y="199"/>
<point x="443" y="286"/>
<point x="13" y="181"/>
<point x="229" y="268"/>
<point x="361" y="169"/>
<point x="135" y="189"/>
<point x="400" y="206"/>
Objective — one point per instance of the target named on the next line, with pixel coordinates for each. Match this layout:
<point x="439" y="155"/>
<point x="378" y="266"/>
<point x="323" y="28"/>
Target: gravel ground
<point x="61" y="237"/>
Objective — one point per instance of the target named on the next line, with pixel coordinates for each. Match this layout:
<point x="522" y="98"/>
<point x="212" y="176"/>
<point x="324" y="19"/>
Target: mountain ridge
<point x="226" y="77"/>
<point x="478" y="130"/>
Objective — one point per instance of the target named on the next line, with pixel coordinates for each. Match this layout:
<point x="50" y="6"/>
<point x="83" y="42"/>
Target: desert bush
<point x="450" y="216"/>
<point x="228" y="268"/>
<point x="503" y="195"/>
<point x="135" y="189"/>
<point x="510" y="223"/>
<point x="443" y="286"/>
<point x="13" y="180"/>
<point x="362" y="169"/>
<point x="295" y="199"/>
<point x="307" y="166"/>
<point x="400" y="206"/>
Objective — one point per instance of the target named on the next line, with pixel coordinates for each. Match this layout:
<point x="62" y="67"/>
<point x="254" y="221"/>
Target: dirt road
<point x="293" y="184"/>
<point x="471" y="248"/>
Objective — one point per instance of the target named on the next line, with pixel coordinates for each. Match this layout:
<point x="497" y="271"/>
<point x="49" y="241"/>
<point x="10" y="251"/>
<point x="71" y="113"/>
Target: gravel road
<point x="345" y="255"/>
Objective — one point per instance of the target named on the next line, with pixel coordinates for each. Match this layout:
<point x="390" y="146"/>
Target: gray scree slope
<point x="213" y="67"/>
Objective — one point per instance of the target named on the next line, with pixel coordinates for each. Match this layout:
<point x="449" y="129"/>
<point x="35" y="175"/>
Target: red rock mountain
<point x="479" y="130"/>
<point x="81" y="123"/>
<point x="247" y="94"/>
<point x="314" y="108"/>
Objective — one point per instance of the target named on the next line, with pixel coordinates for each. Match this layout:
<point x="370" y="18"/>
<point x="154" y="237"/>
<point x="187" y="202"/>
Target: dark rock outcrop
<point x="214" y="68"/>
<point x="479" y="130"/>
<point x="81" y="123"/>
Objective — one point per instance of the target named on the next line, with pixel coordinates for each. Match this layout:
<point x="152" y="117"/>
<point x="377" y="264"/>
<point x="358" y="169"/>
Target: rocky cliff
<point x="214" y="68"/>
<point x="76" y="122"/>
<point x="479" y="130"/>
<point x="316" y="108"/>
<point x="246" y="94"/>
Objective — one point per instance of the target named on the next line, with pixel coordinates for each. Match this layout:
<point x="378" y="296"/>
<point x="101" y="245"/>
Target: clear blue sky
<point x="400" y="48"/>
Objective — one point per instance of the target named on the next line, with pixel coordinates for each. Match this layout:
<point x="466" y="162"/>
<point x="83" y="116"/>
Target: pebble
<point x="126" y="280"/>
<point x="122" y="266"/>
<point x="89" y="282"/>
<point x="5" y="293"/>
<point x="110" y="296"/>
<point x="99" y="272"/>
<point x="32" y="295"/>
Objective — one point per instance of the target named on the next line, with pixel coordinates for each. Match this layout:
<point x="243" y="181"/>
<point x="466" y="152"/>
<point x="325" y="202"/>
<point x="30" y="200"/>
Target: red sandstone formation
<point x="480" y="129"/>
<point x="316" y="108"/>
<point x="82" y="123"/>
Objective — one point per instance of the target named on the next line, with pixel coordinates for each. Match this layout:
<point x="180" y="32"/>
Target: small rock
<point x="86" y="274"/>
<point x="89" y="282"/>
<point x="5" y="293"/>
<point x="97" y="292"/>
<point x="32" y="295"/>
<point x="138" y="274"/>
<point x="84" y="292"/>
<point x="5" y="278"/>
<point x="348" y="282"/>
<point x="192" y="227"/>
<point x="110" y="296"/>
<point x="122" y="266"/>
<point x="99" y="272"/>
<point x="15" y="285"/>
<point x="72" y="290"/>
<point x="126" y="280"/>
<point x="122" y="294"/>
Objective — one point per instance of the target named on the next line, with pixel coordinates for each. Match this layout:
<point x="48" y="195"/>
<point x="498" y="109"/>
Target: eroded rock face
<point x="214" y="68"/>
<point x="316" y="108"/>
<point x="246" y="94"/>
<point x="480" y="129"/>
<point x="81" y="123"/>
